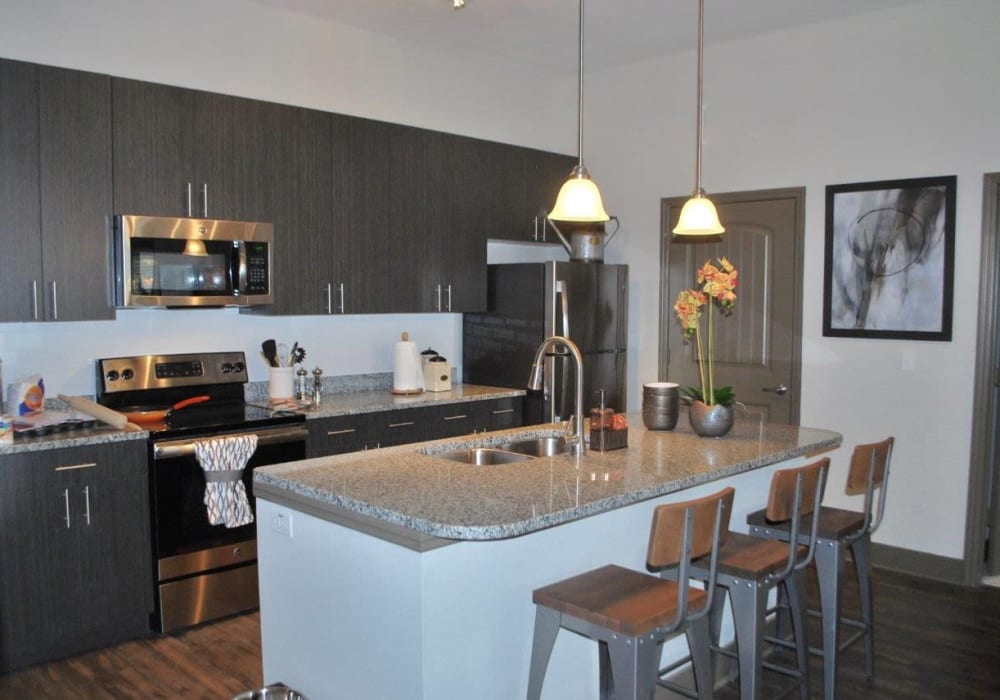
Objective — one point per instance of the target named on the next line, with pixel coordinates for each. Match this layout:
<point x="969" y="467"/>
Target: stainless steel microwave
<point x="173" y="261"/>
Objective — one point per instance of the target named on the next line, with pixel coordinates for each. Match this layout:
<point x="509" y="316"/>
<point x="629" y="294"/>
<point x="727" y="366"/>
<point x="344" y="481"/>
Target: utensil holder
<point x="281" y="383"/>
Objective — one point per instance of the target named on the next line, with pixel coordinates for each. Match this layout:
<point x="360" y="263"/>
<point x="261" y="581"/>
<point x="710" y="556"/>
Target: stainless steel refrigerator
<point x="528" y="302"/>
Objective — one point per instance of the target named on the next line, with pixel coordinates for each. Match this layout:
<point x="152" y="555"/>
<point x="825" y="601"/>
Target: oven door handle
<point x="169" y="449"/>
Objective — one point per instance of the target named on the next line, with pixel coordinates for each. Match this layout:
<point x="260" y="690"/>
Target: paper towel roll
<point x="407" y="372"/>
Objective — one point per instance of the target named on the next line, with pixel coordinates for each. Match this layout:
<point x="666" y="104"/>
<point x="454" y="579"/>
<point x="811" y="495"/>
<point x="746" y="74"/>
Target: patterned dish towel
<point x="223" y="460"/>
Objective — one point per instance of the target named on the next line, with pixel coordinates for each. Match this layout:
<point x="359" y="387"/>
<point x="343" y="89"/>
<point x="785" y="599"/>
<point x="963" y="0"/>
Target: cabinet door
<point x="498" y="414"/>
<point x="297" y="181"/>
<point x="74" y="541"/>
<point x="362" y="243"/>
<point x="340" y="434"/>
<point x="20" y="233"/>
<point x="74" y="123"/>
<point x="152" y="149"/>
<point x="404" y="425"/>
<point x="530" y="182"/>
<point x="453" y="419"/>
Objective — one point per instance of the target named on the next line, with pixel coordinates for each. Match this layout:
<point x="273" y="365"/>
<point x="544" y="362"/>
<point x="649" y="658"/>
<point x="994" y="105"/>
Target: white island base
<point x="348" y="615"/>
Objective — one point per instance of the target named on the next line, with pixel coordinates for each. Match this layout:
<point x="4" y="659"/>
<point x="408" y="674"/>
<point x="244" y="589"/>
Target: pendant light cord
<point x="579" y="98"/>
<point x="698" y="117"/>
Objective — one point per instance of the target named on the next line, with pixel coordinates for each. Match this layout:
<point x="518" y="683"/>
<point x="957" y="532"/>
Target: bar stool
<point x="840" y="530"/>
<point x="750" y="567"/>
<point x="630" y="613"/>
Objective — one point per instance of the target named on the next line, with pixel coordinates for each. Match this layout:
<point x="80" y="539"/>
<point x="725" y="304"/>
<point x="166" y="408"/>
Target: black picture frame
<point x="890" y="259"/>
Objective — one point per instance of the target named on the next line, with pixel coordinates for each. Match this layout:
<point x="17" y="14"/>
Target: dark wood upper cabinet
<point x="55" y="193"/>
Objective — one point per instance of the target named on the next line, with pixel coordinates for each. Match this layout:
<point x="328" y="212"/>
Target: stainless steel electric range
<point x="201" y="571"/>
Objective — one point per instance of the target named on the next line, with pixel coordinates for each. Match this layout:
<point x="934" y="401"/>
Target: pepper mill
<point x="317" y="385"/>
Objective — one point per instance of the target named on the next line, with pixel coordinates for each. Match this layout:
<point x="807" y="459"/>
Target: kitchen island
<point x="396" y="573"/>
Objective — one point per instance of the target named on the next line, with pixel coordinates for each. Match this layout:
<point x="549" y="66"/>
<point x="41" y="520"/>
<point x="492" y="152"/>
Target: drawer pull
<point x="345" y="431"/>
<point x="401" y="425"/>
<point x="67" y="467"/>
<point x="498" y="411"/>
<point x="458" y="417"/>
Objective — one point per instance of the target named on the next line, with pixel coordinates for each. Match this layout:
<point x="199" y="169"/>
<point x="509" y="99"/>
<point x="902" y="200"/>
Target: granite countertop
<point x="409" y="488"/>
<point x="352" y="400"/>
<point x="373" y="400"/>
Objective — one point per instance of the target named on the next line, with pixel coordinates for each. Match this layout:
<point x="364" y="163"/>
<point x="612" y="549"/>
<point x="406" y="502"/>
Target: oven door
<point x="205" y="571"/>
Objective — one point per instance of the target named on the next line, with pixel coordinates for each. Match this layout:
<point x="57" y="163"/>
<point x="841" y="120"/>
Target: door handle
<point x="780" y="390"/>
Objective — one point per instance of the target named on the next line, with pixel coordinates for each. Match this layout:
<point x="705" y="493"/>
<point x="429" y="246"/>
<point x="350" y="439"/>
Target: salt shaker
<point x="317" y="385"/>
<point x="301" y="391"/>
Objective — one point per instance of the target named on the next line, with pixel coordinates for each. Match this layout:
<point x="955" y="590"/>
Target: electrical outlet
<point x="282" y="524"/>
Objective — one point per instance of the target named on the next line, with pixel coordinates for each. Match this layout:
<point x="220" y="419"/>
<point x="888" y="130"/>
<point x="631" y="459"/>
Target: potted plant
<point x="711" y="411"/>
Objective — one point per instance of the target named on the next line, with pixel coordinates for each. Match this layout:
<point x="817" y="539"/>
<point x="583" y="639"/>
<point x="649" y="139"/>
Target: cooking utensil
<point x="291" y="354"/>
<point x="298" y="355"/>
<point x="270" y="350"/>
<point x="102" y="413"/>
<point x="144" y="416"/>
<point x="283" y="355"/>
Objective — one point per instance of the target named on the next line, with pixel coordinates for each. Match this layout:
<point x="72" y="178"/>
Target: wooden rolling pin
<point x="102" y="413"/>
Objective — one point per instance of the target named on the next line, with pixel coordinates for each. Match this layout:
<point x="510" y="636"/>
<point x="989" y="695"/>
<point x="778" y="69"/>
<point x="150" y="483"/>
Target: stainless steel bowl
<point x="271" y="692"/>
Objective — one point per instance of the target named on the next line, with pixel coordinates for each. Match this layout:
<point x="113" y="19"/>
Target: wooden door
<point x="758" y="347"/>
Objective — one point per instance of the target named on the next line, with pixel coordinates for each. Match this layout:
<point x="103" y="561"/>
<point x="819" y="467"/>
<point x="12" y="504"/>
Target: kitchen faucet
<point x="578" y="445"/>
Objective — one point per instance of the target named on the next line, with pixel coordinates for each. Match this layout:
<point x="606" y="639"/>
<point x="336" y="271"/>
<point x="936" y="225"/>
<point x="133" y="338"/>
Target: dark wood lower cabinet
<point x="341" y="434"/>
<point x="75" y="551"/>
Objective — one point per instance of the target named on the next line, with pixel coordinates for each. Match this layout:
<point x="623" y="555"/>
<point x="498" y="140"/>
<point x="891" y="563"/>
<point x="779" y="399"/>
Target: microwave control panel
<point x="258" y="273"/>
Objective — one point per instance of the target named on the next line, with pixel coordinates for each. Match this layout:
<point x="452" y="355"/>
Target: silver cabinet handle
<point x="343" y="307"/>
<point x="190" y="206"/>
<point x="55" y="300"/>
<point x="458" y="417"/>
<point x="499" y="411"/>
<point x="438" y="297"/>
<point x="66" y="504"/>
<point x="34" y="299"/>
<point x="204" y="199"/>
<point x="780" y="390"/>
<point x="86" y="500"/>
<point x="401" y="425"/>
<point x="329" y="298"/>
<point x="449" y="297"/>
<point x="345" y="431"/>
<point x="70" y="467"/>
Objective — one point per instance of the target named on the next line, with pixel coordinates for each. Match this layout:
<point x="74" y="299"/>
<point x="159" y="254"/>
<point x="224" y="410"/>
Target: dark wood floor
<point x="933" y="640"/>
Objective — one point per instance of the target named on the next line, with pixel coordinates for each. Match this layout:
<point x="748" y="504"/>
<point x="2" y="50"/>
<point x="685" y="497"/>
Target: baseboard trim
<point x="908" y="561"/>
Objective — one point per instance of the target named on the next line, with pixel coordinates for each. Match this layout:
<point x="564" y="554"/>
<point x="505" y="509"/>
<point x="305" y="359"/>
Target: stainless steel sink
<point x="538" y="447"/>
<point x="481" y="456"/>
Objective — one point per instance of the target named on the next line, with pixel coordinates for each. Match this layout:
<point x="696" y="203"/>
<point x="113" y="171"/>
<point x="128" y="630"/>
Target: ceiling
<point x="543" y="33"/>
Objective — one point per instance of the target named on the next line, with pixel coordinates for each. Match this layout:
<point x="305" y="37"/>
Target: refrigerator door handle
<point x="563" y="293"/>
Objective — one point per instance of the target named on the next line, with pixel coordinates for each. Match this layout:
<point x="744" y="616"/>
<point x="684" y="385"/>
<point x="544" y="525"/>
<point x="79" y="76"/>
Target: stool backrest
<point x="869" y="470"/>
<point x="796" y="493"/>
<point x="685" y="531"/>
<point x="666" y="535"/>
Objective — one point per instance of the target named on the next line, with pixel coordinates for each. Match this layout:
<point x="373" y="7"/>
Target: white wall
<point x="243" y="48"/>
<point x="898" y="94"/>
<point x="903" y="93"/>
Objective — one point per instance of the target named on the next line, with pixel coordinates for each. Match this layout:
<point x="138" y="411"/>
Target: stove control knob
<point x="127" y="374"/>
<point x="112" y="375"/>
<point x="239" y="367"/>
<point x="237" y="553"/>
<point x="227" y="367"/>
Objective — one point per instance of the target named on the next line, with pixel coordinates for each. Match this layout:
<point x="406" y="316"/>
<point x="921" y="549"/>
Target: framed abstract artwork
<point x="890" y="259"/>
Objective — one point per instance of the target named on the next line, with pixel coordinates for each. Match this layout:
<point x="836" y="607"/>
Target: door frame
<point x="798" y="195"/>
<point x="983" y="457"/>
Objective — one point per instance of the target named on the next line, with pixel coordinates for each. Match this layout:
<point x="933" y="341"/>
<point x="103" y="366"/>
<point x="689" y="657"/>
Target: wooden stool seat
<point x="834" y="523"/>
<point x="622" y="600"/>
<point x="743" y="556"/>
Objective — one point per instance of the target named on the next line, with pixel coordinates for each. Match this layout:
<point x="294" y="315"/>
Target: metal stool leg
<point x="862" y="561"/>
<point x="829" y="564"/>
<point x="699" y="637"/>
<point x="749" y="603"/>
<point x="795" y="589"/>
<point x="546" y="630"/>
<point x="634" y="664"/>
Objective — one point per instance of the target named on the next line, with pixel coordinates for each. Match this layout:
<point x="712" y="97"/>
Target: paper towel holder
<point x="405" y="338"/>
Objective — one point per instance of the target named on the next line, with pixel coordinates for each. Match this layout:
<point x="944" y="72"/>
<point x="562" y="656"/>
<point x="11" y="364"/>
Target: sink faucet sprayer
<point x="576" y="440"/>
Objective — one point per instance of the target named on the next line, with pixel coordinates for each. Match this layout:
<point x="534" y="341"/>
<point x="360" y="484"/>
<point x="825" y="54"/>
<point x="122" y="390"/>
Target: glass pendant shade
<point x="579" y="199"/>
<point x="698" y="218"/>
<point x="195" y="247"/>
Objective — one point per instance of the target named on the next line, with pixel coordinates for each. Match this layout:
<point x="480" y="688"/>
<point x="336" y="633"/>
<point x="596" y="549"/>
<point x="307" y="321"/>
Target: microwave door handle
<point x="237" y="268"/>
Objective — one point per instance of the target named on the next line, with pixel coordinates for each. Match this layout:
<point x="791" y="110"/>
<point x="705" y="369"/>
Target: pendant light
<point x="579" y="199"/>
<point x="698" y="217"/>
